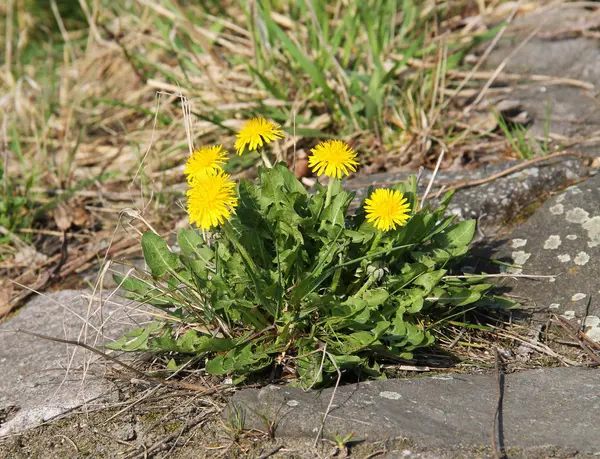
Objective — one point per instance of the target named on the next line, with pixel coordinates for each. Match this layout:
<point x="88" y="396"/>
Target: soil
<point x="166" y="423"/>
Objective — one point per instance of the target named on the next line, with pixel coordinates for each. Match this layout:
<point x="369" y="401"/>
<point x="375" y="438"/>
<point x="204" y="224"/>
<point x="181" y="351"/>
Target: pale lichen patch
<point x="578" y="296"/>
<point x="520" y="257"/>
<point x="571" y="237"/>
<point x="554" y="306"/>
<point x="564" y="258"/>
<point x="293" y="403"/>
<point x="569" y="315"/>
<point x="592" y="226"/>
<point x="553" y="242"/>
<point x="390" y="395"/>
<point x="516" y="243"/>
<point x="592" y="328"/>
<point x="581" y="259"/>
<point x="560" y="198"/>
<point x="577" y="215"/>
<point x="557" y="209"/>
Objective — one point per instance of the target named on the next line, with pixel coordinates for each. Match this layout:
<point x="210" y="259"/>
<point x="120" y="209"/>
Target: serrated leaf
<point x="216" y="366"/>
<point x="157" y="254"/>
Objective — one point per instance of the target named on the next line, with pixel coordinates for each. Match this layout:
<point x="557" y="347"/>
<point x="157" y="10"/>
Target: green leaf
<point x="133" y="284"/>
<point x="458" y="235"/>
<point x="460" y="296"/>
<point x="196" y="267"/>
<point x="497" y="302"/>
<point x="157" y="254"/>
<point x="408" y="189"/>
<point x="193" y="245"/>
<point x="136" y="340"/>
<point x="375" y="297"/>
<point x="429" y="280"/>
<point x="411" y="300"/>
<point x="217" y="366"/>
<point x="191" y="343"/>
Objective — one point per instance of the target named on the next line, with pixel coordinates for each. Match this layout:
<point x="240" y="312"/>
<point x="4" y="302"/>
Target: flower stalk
<point x="330" y="186"/>
<point x="265" y="158"/>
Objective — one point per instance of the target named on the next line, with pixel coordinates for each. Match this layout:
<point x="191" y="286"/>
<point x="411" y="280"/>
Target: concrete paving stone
<point x="43" y="379"/>
<point x="556" y="408"/>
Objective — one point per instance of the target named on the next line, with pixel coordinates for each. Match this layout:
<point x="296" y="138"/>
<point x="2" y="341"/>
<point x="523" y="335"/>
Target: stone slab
<point x="35" y="385"/>
<point x="496" y="201"/>
<point x="574" y="109"/>
<point x="561" y="239"/>
<point x="552" y="407"/>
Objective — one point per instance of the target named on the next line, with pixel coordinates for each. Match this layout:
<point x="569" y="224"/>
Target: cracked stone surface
<point x="561" y="239"/>
<point x="552" y="407"/>
<point x="35" y="385"/>
<point x="494" y="202"/>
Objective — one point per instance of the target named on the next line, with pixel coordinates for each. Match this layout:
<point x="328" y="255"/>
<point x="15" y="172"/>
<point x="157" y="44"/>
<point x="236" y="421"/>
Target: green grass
<point x="353" y="62"/>
<point x="523" y="143"/>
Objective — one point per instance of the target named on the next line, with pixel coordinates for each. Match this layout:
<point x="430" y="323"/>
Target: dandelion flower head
<point x="385" y="209"/>
<point x="256" y="132"/>
<point x="334" y="158"/>
<point x="205" y="160"/>
<point x="211" y="200"/>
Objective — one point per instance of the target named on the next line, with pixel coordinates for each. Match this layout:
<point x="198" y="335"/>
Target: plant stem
<point x="365" y="286"/>
<point x="265" y="159"/>
<point x="329" y="191"/>
<point x="376" y="240"/>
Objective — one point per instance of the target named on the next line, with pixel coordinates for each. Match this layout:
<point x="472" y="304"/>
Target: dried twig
<point x="542" y="348"/>
<point x="515" y="168"/>
<point x="582" y="339"/>
<point x="528" y="276"/>
<point x="159" y="444"/>
<point x="469" y="183"/>
<point x="430" y="184"/>
<point x="337" y="383"/>
<point x="270" y="453"/>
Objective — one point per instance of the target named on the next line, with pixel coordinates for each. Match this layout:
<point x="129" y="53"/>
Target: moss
<point x="515" y="217"/>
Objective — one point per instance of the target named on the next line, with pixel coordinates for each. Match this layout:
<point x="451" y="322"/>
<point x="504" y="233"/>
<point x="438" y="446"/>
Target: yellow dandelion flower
<point x="205" y="160"/>
<point x="334" y="158"/>
<point x="211" y="200"/>
<point x="255" y="132"/>
<point x="387" y="208"/>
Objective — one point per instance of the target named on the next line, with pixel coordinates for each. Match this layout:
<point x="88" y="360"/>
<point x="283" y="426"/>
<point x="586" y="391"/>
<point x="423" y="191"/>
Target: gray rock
<point x="561" y="239"/>
<point x="555" y="407"/>
<point x="496" y="201"/>
<point x="43" y="379"/>
<point x="554" y="52"/>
